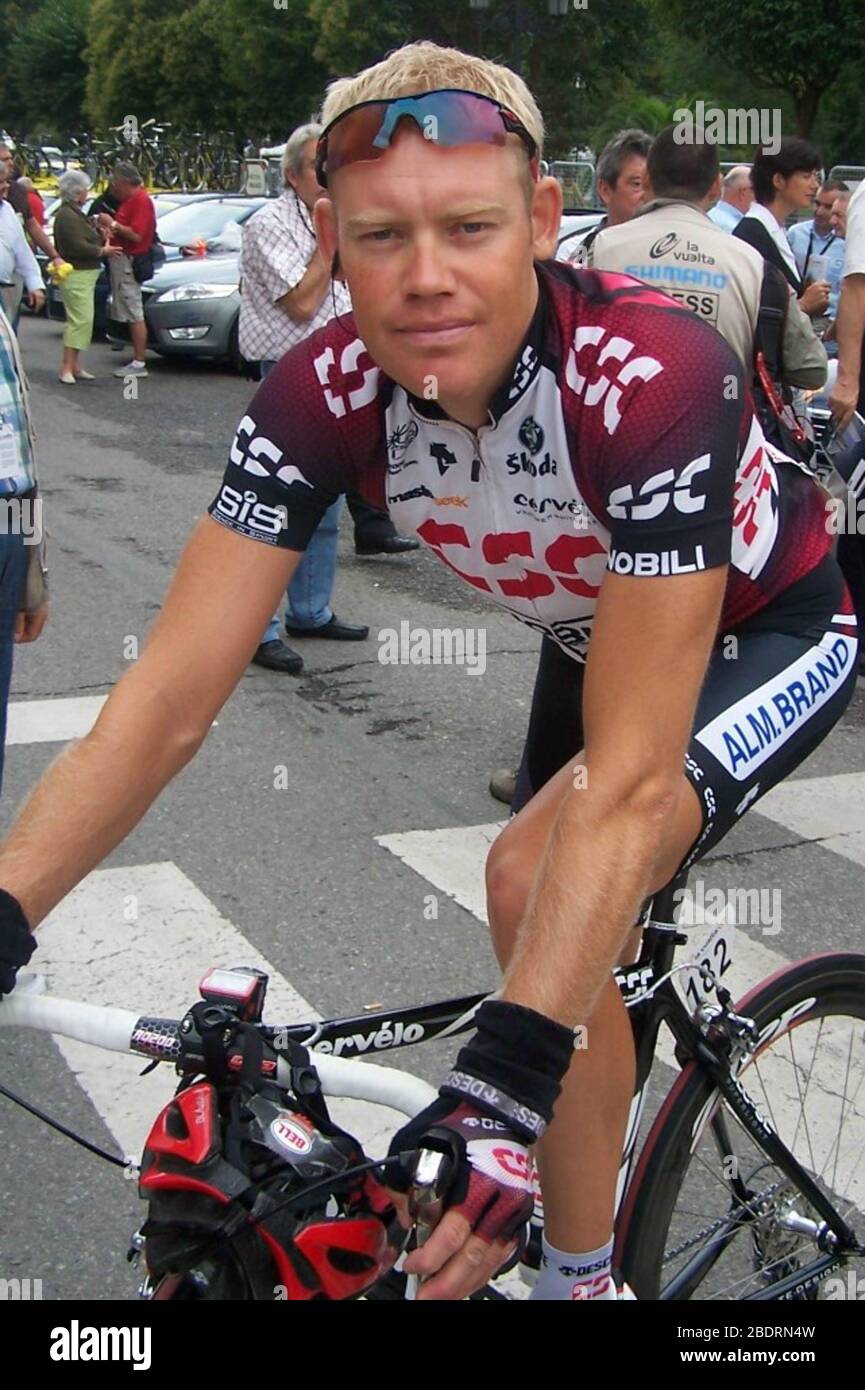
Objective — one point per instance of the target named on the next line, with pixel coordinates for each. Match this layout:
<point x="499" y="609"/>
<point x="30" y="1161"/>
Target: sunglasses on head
<point x="448" y="117"/>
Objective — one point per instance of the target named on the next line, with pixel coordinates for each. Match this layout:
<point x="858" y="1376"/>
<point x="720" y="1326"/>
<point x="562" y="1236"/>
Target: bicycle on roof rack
<point x="749" y="1185"/>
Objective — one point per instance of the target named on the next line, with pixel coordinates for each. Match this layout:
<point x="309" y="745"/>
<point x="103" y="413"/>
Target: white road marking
<point x="90" y="950"/>
<point x="52" y="721"/>
<point x="828" y="809"/>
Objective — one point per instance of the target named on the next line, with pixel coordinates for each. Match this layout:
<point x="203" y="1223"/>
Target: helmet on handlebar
<point x="219" y="1167"/>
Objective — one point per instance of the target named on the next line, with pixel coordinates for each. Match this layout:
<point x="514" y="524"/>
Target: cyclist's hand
<point x="488" y="1204"/>
<point x="17" y="942"/>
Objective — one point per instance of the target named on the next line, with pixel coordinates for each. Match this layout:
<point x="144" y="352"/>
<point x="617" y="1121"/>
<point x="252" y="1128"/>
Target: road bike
<point x="748" y="1185"/>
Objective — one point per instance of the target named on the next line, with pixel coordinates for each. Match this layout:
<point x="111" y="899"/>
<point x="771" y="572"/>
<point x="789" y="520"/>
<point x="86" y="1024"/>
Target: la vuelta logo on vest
<point x="595" y="348"/>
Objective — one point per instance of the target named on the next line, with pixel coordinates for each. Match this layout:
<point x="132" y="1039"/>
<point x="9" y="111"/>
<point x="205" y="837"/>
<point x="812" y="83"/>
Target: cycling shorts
<point x="774" y="688"/>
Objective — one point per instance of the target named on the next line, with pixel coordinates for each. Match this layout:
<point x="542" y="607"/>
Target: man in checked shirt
<point x="287" y="292"/>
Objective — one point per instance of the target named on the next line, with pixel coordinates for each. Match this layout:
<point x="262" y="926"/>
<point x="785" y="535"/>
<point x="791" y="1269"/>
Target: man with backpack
<point x="672" y="245"/>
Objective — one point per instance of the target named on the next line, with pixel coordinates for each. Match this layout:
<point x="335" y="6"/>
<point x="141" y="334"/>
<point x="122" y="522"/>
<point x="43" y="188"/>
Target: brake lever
<point x="432" y="1176"/>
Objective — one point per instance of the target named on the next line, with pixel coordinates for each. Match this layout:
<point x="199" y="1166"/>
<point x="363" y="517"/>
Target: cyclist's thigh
<point x="770" y="698"/>
<point x="556" y="724"/>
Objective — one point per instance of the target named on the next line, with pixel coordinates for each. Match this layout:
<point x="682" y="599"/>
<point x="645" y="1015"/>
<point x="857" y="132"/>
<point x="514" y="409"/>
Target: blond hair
<point x="425" y="67"/>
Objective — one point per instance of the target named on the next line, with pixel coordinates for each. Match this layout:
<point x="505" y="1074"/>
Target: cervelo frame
<point x="647" y="990"/>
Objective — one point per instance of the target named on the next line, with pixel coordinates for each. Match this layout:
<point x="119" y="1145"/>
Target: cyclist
<point x="615" y="494"/>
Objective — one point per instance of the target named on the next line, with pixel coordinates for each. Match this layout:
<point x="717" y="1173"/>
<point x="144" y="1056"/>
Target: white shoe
<point x="67" y="378"/>
<point x="129" y="370"/>
<point x="84" y="376"/>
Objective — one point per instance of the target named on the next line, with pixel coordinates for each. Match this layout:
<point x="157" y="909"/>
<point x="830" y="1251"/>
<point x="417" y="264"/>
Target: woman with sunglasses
<point x="581" y="451"/>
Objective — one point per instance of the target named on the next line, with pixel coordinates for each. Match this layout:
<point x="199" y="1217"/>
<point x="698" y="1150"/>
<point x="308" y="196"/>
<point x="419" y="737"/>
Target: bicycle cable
<point x="126" y="1163"/>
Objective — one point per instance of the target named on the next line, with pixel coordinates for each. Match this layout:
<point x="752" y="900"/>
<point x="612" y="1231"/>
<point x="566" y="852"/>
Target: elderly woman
<point x="81" y="244"/>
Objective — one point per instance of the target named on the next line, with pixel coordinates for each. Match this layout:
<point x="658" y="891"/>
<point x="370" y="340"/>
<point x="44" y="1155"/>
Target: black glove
<point x="496" y="1102"/>
<point x="17" y="942"/>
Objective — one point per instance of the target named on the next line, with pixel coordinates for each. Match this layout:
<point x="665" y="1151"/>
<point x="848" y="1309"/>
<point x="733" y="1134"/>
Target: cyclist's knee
<point x="509" y="874"/>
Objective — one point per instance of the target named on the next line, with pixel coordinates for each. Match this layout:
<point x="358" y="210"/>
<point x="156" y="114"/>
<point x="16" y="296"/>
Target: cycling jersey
<point x="623" y="439"/>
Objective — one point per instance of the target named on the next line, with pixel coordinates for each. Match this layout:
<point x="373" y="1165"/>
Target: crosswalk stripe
<point x="52" y="721"/>
<point x="828" y="809"/>
<point x="141" y="938"/>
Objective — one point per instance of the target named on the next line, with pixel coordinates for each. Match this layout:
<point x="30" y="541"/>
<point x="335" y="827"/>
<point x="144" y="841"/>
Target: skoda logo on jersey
<point x="663" y="245"/>
<point x="531" y="435"/>
<point x="656" y="494"/>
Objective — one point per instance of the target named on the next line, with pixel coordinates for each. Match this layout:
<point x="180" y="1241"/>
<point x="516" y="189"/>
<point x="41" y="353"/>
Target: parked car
<point x="574" y="228"/>
<point x="192" y="303"/>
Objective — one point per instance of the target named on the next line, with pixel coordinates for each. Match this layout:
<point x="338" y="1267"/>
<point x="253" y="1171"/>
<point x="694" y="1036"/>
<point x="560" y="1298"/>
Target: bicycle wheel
<point x="708" y="1215"/>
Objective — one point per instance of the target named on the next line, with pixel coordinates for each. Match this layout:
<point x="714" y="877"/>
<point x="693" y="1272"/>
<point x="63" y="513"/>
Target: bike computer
<point x="241" y="988"/>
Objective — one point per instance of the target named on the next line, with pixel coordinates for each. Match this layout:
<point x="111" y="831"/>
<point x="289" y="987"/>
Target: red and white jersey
<point x="623" y="439"/>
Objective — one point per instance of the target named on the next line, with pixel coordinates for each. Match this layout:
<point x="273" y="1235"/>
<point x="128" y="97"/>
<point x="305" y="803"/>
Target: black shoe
<point x="335" y="630"/>
<point x="389" y="545"/>
<point x="276" y="656"/>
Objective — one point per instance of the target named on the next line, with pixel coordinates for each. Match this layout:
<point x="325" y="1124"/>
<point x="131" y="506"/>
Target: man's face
<point x="838" y="215"/>
<point x="623" y="199"/>
<point x="304" y="181"/>
<point x="122" y="188"/>
<point x="742" y="195"/>
<point x="823" y="211"/>
<point x="438" y="248"/>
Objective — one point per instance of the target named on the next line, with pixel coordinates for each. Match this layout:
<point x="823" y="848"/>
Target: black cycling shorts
<point x="774" y="688"/>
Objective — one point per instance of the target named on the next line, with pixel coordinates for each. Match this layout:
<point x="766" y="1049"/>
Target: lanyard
<point x="832" y="236"/>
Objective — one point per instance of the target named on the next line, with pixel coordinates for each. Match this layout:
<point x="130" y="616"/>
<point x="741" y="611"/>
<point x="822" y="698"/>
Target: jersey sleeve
<point x="288" y="462"/>
<point x="668" y="457"/>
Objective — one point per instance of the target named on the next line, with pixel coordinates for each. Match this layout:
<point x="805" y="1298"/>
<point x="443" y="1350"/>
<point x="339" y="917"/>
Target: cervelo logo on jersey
<point x="507" y="1162"/>
<point x="595" y="347"/>
<point x="656" y="494"/>
<point x="352" y="385"/>
<point x="248" y="449"/>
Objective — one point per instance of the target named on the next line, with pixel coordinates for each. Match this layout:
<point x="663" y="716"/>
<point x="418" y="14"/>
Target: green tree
<point x="13" y="13"/>
<point x="46" y="56"/>
<point x="795" y="46"/>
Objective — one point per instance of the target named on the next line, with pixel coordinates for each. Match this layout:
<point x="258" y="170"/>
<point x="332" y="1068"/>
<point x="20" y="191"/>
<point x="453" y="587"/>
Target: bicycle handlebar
<point x="121" y="1030"/>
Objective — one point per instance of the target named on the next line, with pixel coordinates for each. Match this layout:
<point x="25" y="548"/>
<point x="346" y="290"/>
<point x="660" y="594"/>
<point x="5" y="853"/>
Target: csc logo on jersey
<point x="595" y="347"/>
<point x="249" y="448"/>
<point x="655" y="494"/>
<point x="353" y="385"/>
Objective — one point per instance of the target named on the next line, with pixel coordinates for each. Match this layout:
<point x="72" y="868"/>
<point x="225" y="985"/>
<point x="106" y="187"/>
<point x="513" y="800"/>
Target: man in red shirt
<point x="132" y="229"/>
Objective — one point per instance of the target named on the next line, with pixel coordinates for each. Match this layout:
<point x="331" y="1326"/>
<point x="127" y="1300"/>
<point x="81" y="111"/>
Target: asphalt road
<point x="371" y="750"/>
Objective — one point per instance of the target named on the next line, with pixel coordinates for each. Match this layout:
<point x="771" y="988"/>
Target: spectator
<point x="817" y="238"/>
<point x="784" y="183"/>
<point x="848" y="393"/>
<point x="23" y="592"/>
<point x="737" y="195"/>
<point x="619" y="180"/>
<point x="34" y="199"/>
<point x="132" y="229"/>
<point x="17" y="263"/>
<point x="81" y="244"/>
<point x="683" y="181"/>
<point x="38" y="236"/>
<point x="287" y="293"/>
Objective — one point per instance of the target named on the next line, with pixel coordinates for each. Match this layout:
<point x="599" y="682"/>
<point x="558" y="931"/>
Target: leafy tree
<point x="47" y="58"/>
<point x="125" y="54"/>
<point x="795" y="46"/>
<point x="13" y="13"/>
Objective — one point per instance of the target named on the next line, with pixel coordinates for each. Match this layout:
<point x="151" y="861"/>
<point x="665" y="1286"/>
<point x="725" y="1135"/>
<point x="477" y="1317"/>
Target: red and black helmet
<point x="218" y="1170"/>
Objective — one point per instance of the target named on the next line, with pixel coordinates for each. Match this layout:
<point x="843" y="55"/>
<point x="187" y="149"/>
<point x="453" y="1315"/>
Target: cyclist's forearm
<point x="91" y="797"/>
<point x="593" y="879"/>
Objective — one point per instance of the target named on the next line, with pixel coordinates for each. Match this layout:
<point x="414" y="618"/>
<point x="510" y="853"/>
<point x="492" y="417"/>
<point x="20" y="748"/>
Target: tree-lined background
<point x="259" y="67"/>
